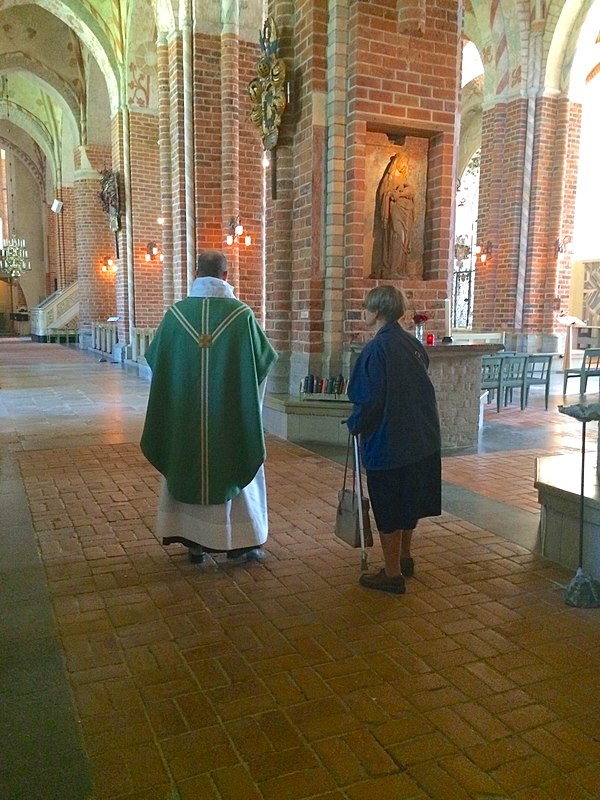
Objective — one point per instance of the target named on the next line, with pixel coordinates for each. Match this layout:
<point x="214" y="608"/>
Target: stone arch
<point x="42" y="113"/>
<point x="36" y="169"/>
<point x="584" y="54"/>
<point x="470" y="121"/>
<point x="59" y="90"/>
<point x="21" y="118"/>
<point x="567" y="22"/>
<point x="484" y="27"/>
<point x="101" y="36"/>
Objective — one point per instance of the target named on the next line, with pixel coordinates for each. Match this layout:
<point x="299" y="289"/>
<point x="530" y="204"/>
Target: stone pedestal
<point x="558" y="481"/>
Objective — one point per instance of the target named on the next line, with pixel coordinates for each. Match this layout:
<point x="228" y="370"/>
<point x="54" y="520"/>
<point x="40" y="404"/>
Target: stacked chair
<point x="504" y="372"/>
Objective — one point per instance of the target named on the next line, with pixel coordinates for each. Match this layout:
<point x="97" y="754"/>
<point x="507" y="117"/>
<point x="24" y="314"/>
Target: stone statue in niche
<point x="394" y="220"/>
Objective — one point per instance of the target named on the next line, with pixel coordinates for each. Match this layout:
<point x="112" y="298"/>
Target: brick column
<point x="60" y="247"/>
<point x="177" y="177"/>
<point x="251" y="188"/>
<point x="52" y="252"/>
<point x="94" y="242"/>
<point x="550" y="213"/>
<point x="230" y="138"/>
<point x="402" y="82"/>
<point x="164" y="146"/>
<point x="499" y="219"/>
<point x="66" y="224"/>
<point x="146" y="208"/>
<point x="278" y="229"/>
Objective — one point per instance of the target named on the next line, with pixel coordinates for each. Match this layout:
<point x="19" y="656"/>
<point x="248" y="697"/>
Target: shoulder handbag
<point x="352" y="522"/>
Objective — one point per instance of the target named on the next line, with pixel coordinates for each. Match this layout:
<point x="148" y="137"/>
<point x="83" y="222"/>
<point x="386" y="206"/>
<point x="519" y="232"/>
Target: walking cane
<point x="358" y="489"/>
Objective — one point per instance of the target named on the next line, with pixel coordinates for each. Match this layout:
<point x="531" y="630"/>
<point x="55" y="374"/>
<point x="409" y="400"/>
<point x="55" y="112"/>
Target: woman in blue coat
<point x="395" y="412"/>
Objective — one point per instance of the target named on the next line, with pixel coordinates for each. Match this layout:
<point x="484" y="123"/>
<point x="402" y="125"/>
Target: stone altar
<point x="456" y="374"/>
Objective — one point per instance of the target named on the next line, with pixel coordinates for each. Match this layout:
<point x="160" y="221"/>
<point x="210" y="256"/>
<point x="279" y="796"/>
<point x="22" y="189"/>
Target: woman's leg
<point x="406" y="542"/>
<point x="391" y="544"/>
<point x="396" y="549"/>
<point x="407" y="565"/>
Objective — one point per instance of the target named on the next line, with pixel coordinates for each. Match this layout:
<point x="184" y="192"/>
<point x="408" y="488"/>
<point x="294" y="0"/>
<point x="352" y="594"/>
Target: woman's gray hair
<point x="389" y="302"/>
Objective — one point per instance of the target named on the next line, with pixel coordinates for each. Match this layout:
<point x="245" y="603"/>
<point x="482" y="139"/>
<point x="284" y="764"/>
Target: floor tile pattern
<point x="284" y="680"/>
<point x="287" y="680"/>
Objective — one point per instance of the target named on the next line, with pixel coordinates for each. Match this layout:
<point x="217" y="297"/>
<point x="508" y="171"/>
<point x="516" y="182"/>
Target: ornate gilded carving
<point x="268" y="91"/>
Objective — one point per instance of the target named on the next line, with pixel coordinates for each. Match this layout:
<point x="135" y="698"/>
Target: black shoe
<point x="382" y="582"/>
<point x="196" y="555"/>
<point x="407" y="566"/>
<point x="244" y="554"/>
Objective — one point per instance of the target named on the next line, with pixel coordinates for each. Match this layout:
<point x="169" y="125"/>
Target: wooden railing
<point x="141" y="339"/>
<point x="105" y="335"/>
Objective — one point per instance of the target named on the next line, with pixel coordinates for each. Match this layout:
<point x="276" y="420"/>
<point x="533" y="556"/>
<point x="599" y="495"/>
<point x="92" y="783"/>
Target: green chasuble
<point x="203" y="428"/>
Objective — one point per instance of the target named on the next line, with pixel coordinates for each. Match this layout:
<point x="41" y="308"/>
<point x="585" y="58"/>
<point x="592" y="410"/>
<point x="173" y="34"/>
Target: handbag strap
<point x="356" y="465"/>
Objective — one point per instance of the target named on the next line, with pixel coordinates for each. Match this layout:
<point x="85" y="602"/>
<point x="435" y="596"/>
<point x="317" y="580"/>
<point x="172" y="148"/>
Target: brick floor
<point x="287" y="680"/>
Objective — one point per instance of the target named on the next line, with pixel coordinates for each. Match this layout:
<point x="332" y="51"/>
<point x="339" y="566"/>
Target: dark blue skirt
<point x="401" y="497"/>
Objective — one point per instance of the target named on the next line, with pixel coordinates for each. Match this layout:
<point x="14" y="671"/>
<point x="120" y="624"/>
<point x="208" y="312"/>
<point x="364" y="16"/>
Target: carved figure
<point x="396" y="209"/>
<point x="109" y="197"/>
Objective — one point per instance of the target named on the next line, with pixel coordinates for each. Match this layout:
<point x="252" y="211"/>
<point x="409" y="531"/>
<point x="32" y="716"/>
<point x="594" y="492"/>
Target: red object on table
<point x="430" y="339"/>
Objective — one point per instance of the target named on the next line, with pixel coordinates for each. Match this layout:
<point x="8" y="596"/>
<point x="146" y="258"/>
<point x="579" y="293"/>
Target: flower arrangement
<point x="419" y="318"/>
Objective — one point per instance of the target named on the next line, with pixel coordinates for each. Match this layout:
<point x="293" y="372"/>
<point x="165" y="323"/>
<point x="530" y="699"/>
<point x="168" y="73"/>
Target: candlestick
<point x="447" y="322"/>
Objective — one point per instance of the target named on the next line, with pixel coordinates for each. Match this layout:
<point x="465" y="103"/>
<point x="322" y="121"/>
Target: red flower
<point x="419" y="319"/>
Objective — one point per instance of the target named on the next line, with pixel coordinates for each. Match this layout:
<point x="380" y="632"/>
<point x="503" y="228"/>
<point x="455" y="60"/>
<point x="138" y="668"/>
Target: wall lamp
<point x="109" y="265"/>
<point x="152" y="251"/>
<point x="484" y="251"/>
<point x="236" y="231"/>
<point x="564" y="245"/>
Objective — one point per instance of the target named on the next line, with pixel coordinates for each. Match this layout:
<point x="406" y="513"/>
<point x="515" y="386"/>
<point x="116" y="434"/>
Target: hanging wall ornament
<point x="268" y="93"/>
<point x="109" y="197"/>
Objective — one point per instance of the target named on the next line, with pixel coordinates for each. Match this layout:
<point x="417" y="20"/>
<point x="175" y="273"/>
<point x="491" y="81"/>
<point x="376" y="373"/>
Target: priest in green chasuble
<point x="203" y="430"/>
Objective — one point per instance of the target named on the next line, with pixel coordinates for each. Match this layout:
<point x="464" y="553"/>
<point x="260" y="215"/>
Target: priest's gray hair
<point x="211" y="264"/>
<point x="387" y="301"/>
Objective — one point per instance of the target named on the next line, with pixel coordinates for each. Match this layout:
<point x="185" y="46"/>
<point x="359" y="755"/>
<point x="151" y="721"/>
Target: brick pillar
<point x="279" y="251"/>
<point x="146" y="206"/>
<point x="94" y="242"/>
<point x="66" y="225"/>
<point x="297" y="271"/>
<point x="230" y="140"/>
<point x="251" y="188"/>
<point x="402" y="82"/>
<point x="564" y="191"/>
<point x="499" y="220"/>
<point x="164" y="145"/>
<point x="52" y="252"/>
<point x="60" y="247"/>
<point x="123" y="283"/>
<point x="278" y="279"/>
<point x="548" y="215"/>
<point x="177" y="177"/>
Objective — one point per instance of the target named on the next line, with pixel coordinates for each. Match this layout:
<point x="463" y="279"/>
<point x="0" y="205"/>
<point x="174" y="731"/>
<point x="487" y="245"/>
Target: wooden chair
<point x="491" y="367"/>
<point x="590" y="368"/>
<point x="512" y="376"/>
<point x="537" y="373"/>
